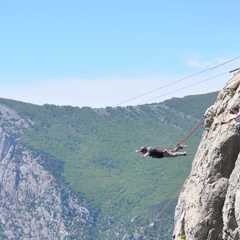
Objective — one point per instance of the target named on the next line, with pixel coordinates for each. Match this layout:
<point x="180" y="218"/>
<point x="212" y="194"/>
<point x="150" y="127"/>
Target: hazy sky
<point x="101" y="53"/>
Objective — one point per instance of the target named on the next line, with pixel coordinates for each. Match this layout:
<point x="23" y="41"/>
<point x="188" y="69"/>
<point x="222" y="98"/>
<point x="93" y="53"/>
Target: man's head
<point x="143" y="150"/>
<point x="234" y="110"/>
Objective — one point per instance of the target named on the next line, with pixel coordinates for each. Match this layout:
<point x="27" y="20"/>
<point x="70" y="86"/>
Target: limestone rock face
<point x="209" y="203"/>
<point x="32" y="204"/>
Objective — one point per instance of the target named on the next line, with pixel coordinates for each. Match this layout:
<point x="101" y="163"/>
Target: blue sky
<point x="102" y="53"/>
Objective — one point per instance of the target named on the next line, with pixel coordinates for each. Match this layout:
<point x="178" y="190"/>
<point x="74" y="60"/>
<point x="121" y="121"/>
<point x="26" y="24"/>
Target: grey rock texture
<point x="32" y="204"/>
<point x="209" y="202"/>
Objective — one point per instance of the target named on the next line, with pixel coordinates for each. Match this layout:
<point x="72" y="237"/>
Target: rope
<point x="165" y="207"/>
<point x="160" y="213"/>
<point x="128" y="100"/>
<point x="167" y="85"/>
<point x="183" y="88"/>
<point x="184" y="139"/>
<point x="171" y="200"/>
<point x="180" y="189"/>
<point x="175" y="195"/>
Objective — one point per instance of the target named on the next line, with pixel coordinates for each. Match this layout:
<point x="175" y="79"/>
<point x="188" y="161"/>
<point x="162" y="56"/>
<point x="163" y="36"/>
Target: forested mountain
<point x="90" y="153"/>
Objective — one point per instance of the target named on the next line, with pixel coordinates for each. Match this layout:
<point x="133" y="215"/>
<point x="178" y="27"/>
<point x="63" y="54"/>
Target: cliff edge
<point x="209" y="203"/>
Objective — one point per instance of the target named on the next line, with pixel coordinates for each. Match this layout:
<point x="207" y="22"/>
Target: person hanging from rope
<point x="161" y="153"/>
<point x="236" y="112"/>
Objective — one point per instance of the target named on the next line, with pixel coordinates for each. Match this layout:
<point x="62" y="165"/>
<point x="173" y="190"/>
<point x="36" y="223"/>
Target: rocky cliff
<point x="209" y="203"/>
<point x="32" y="204"/>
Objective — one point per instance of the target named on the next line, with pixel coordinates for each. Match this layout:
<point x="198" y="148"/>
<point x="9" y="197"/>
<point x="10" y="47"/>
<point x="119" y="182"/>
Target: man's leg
<point x="174" y="154"/>
<point x="181" y="146"/>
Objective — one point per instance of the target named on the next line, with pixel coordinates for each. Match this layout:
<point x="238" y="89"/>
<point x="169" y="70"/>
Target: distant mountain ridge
<point x="90" y="153"/>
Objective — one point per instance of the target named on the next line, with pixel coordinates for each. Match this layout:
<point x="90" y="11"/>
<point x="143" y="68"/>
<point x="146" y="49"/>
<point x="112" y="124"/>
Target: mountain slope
<point x="91" y="152"/>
